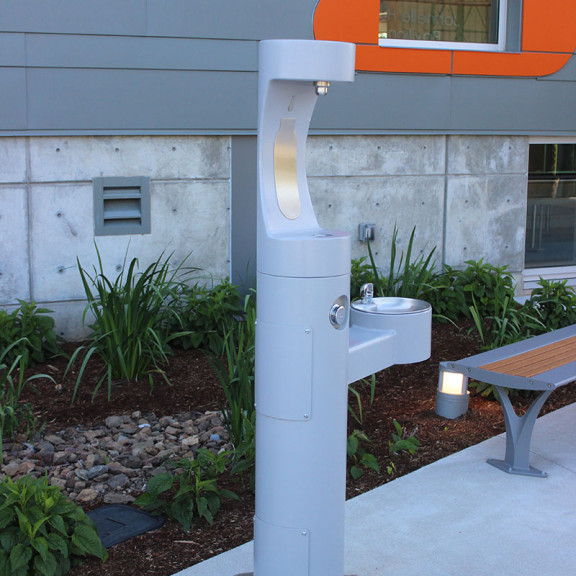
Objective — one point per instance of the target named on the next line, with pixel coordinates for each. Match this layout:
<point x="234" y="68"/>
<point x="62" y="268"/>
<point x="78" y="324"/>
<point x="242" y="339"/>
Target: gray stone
<point x="117" y="468"/>
<point x="60" y="482"/>
<point x="45" y="447"/>
<point x="53" y="439"/>
<point x="114" y="421"/>
<point x="92" y="473"/>
<point x="190" y="441"/>
<point x="72" y="458"/>
<point x="118" y="498"/>
<point x="166" y="421"/>
<point x="92" y="460"/>
<point x="118" y="481"/>
<point x="11" y="469"/>
<point x="60" y="458"/>
<point x="92" y="435"/>
<point x="88" y="496"/>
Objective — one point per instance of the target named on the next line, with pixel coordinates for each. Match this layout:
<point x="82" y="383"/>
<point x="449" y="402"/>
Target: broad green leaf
<point x="225" y="493"/>
<point x="57" y="543"/>
<point x="9" y="538"/>
<point x="160" y="483"/>
<point x="148" y="501"/>
<point x="183" y="513"/>
<point x="6" y="517"/>
<point x="57" y="522"/>
<point x="45" y="566"/>
<point x="24" y="523"/>
<point x="63" y="567"/>
<point x="356" y="472"/>
<point x="4" y="563"/>
<point x="40" y="544"/>
<point x="352" y="445"/>
<point x="20" y="556"/>
<point x="369" y="460"/>
<point x="86" y="538"/>
<point x="202" y="506"/>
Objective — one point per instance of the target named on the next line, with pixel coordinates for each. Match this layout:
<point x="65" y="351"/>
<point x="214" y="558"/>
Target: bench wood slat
<point x="534" y="362"/>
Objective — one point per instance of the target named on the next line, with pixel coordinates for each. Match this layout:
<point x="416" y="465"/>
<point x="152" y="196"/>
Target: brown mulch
<point x="405" y="393"/>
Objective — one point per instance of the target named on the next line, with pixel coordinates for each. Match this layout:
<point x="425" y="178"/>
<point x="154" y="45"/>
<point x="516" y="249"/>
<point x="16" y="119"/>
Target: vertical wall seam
<point x="29" y="225"/>
<point x="445" y="215"/>
<point x="230" y="205"/>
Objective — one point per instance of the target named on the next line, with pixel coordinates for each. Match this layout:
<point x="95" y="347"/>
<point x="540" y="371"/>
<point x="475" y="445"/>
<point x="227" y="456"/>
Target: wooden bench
<point x="541" y="364"/>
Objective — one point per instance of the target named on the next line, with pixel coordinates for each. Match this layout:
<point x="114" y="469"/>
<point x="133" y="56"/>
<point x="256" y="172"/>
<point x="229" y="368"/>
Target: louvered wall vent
<point x="121" y="205"/>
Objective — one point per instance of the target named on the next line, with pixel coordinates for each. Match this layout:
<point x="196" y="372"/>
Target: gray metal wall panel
<point x="124" y="100"/>
<point x="247" y="19"/>
<point x="244" y="200"/>
<point x="74" y="51"/>
<point x="567" y="72"/>
<point x="74" y="16"/>
<point x="106" y="67"/>
<point x="12" y="50"/>
<point x="396" y="102"/>
<point x="13" y="99"/>
<point x="524" y="105"/>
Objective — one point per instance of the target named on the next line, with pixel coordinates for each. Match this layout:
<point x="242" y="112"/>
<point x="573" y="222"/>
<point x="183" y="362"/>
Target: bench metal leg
<point x="518" y="436"/>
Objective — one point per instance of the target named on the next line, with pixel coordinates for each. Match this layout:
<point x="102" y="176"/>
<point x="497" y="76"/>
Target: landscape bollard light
<point x="452" y="395"/>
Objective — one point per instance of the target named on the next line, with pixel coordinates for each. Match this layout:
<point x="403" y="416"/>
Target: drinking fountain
<point x="310" y="342"/>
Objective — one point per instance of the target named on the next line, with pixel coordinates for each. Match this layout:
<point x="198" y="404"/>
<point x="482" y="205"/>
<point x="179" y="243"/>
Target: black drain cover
<point x="117" y="523"/>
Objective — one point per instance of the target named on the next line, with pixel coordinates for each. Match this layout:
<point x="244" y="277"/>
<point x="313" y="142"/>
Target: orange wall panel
<point x="549" y="26"/>
<point x="354" y="21"/>
<point x="378" y="59"/>
<point x="548" y="40"/>
<point x="498" y="64"/>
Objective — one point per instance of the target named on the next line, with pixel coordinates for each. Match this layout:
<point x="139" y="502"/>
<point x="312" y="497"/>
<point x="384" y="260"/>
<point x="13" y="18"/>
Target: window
<point x="551" y="216"/>
<point x="121" y="205"/>
<point x="450" y="24"/>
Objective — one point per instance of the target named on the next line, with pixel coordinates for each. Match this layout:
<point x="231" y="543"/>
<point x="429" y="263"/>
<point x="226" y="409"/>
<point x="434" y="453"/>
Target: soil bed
<point x="403" y="393"/>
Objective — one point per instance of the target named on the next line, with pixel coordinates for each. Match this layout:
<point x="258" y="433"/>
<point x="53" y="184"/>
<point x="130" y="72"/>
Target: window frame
<point x="500" y="46"/>
<point x="532" y="276"/>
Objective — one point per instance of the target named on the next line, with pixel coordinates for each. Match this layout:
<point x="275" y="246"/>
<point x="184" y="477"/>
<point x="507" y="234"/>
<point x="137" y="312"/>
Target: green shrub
<point x="207" y="315"/>
<point x="358" y="456"/>
<point x="132" y="315"/>
<point x="244" y="458"/>
<point x="447" y="297"/>
<point x="406" y="278"/>
<point x="41" y="531"/>
<point x="32" y="329"/>
<point x="15" y="415"/>
<point x="480" y="285"/>
<point x="193" y="494"/>
<point x="237" y="374"/>
<point x="554" y="302"/>
<point x="353" y="391"/>
<point x="509" y="323"/>
<point x="402" y="441"/>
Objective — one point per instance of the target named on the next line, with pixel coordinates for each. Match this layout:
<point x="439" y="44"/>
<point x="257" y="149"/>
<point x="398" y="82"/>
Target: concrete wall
<point x="46" y="212"/>
<point x="466" y="196"/>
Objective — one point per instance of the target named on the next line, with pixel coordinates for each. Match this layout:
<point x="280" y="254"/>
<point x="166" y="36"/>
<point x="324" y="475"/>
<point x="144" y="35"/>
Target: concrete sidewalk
<point x="461" y="516"/>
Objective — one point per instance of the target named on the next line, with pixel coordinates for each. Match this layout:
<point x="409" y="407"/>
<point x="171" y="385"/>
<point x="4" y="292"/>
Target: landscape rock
<point x="113" y="461"/>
